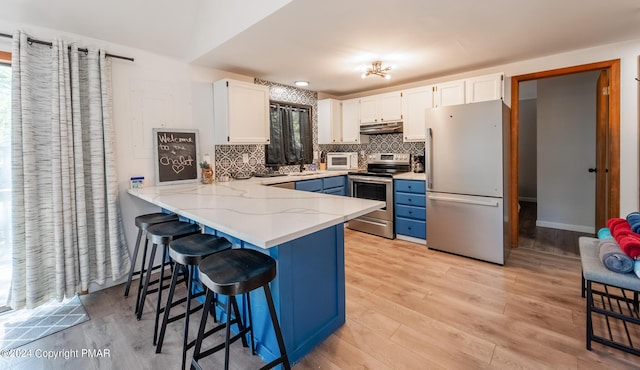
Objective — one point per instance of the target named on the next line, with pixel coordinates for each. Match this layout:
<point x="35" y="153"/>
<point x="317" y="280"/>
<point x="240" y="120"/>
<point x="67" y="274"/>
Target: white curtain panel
<point x="66" y="220"/>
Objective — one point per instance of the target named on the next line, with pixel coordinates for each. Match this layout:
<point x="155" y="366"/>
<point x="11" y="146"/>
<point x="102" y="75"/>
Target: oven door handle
<point x="371" y="180"/>
<point x="381" y="224"/>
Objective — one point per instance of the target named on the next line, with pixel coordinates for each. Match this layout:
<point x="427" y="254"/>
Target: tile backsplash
<point x="228" y="158"/>
<point x="385" y="143"/>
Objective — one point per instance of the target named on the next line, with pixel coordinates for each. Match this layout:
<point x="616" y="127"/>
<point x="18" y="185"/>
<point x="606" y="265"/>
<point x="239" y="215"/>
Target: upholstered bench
<point x="612" y="303"/>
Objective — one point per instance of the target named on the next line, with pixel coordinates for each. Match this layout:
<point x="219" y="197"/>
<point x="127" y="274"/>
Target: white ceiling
<point x="326" y="42"/>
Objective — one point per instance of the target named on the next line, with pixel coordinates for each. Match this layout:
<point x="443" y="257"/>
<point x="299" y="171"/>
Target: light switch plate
<point x="245" y="158"/>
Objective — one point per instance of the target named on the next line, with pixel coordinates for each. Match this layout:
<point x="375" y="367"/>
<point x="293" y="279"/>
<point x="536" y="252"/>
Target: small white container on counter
<point x="137" y="182"/>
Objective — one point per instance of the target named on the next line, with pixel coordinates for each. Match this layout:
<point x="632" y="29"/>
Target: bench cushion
<point x="594" y="270"/>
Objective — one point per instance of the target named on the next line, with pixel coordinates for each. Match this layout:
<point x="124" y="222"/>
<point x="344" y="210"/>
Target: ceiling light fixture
<point x="302" y="83"/>
<point x="378" y="70"/>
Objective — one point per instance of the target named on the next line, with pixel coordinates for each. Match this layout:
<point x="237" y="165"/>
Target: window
<point x="291" y="135"/>
<point x="5" y="177"/>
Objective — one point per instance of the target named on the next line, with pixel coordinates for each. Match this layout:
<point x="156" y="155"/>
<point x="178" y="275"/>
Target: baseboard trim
<point x="411" y="239"/>
<point x="528" y="199"/>
<point x="557" y="225"/>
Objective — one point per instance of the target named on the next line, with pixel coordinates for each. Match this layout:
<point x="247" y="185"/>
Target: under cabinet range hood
<point x="381" y="128"/>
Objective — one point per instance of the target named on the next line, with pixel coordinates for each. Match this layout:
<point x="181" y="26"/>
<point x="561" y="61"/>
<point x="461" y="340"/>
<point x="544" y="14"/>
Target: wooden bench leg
<point x="583" y="287"/>
<point x="589" y="313"/>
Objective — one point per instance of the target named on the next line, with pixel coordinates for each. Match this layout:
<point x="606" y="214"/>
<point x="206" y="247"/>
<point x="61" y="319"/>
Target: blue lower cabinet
<point x="334" y="182"/>
<point x="410" y="186"/>
<point x="336" y="191"/>
<point x="336" y="185"/>
<point x="308" y="293"/>
<point x="418" y="200"/>
<point x="314" y="185"/>
<point x="410" y="208"/>
<point x="414" y="228"/>
<point x="416" y="213"/>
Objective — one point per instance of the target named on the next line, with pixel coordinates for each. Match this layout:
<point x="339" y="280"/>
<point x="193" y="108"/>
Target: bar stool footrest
<point x="221" y="345"/>
<point x="182" y="315"/>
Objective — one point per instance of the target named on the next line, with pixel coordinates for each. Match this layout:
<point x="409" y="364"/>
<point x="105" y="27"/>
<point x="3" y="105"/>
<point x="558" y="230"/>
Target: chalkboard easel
<point x="176" y="154"/>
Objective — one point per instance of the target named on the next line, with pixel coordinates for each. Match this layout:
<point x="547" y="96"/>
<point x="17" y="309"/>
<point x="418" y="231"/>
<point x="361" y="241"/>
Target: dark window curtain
<point x="291" y="136"/>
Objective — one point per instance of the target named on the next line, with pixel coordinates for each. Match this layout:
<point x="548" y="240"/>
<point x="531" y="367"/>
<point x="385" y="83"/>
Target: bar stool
<point x="186" y="253"/>
<point x="232" y="272"/>
<point x="162" y="234"/>
<point x="142" y="223"/>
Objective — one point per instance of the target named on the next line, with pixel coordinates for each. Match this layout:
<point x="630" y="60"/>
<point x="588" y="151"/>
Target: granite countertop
<point x="297" y="176"/>
<point x="265" y="216"/>
<point x="410" y="176"/>
<point x="308" y="175"/>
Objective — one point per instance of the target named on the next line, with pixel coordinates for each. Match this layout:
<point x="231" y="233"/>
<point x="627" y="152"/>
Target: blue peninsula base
<point x="308" y="293"/>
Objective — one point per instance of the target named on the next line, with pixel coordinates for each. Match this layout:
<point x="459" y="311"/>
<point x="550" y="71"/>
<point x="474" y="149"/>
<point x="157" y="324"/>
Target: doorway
<point x="607" y="148"/>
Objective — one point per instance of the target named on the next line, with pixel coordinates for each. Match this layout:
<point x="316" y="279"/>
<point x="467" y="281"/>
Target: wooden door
<point x="602" y="140"/>
<point x="612" y="141"/>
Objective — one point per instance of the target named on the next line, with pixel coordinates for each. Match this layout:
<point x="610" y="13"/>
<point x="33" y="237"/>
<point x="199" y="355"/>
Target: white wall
<point x="627" y="52"/>
<point x="184" y="80"/>
<point x="219" y="21"/>
<point x="566" y="150"/>
<point x="527" y="156"/>
<point x="185" y="95"/>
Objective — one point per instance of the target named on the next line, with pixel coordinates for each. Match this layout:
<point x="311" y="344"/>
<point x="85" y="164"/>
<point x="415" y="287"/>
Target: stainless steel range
<point x="377" y="184"/>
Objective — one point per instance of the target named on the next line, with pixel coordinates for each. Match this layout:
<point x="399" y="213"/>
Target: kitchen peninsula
<point x="303" y="231"/>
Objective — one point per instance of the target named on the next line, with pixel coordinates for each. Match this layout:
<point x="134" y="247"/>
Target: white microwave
<point x="346" y="161"/>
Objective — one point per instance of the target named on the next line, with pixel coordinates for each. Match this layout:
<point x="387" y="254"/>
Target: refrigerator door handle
<point x="465" y="201"/>
<point x="429" y="159"/>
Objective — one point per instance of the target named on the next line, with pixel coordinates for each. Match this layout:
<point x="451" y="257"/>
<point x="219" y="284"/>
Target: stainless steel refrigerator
<point x="467" y="162"/>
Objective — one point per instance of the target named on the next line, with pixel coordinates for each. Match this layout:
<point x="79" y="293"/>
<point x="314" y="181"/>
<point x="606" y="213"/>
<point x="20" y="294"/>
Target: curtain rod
<point x="29" y="39"/>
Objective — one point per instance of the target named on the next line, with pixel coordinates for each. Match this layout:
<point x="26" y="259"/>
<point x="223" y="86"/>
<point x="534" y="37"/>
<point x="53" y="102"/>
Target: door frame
<point x="613" y="191"/>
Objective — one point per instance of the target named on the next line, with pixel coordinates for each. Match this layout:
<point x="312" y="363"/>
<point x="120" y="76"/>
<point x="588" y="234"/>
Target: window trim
<point x="309" y="151"/>
<point x="5" y="57"/>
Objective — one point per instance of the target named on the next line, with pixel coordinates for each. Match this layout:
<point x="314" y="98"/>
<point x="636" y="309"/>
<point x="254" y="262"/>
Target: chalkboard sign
<point x="176" y="155"/>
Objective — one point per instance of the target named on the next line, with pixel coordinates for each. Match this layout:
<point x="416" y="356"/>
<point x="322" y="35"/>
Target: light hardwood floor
<point x="407" y="308"/>
<point x="544" y="239"/>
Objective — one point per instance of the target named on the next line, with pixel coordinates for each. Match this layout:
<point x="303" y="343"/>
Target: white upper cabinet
<point x="381" y="108"/>
<point x="351" y="123"/>
<point x="390" y="107"/>
<point x="484" y="88"/>
<point x="329" y="121"/>
<point x="241" y="112"/>
<point x="449" y="93"/>
<point x="369" y="109"/>
<point x="414" y="103"/>
<point x="339" y="122"/>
